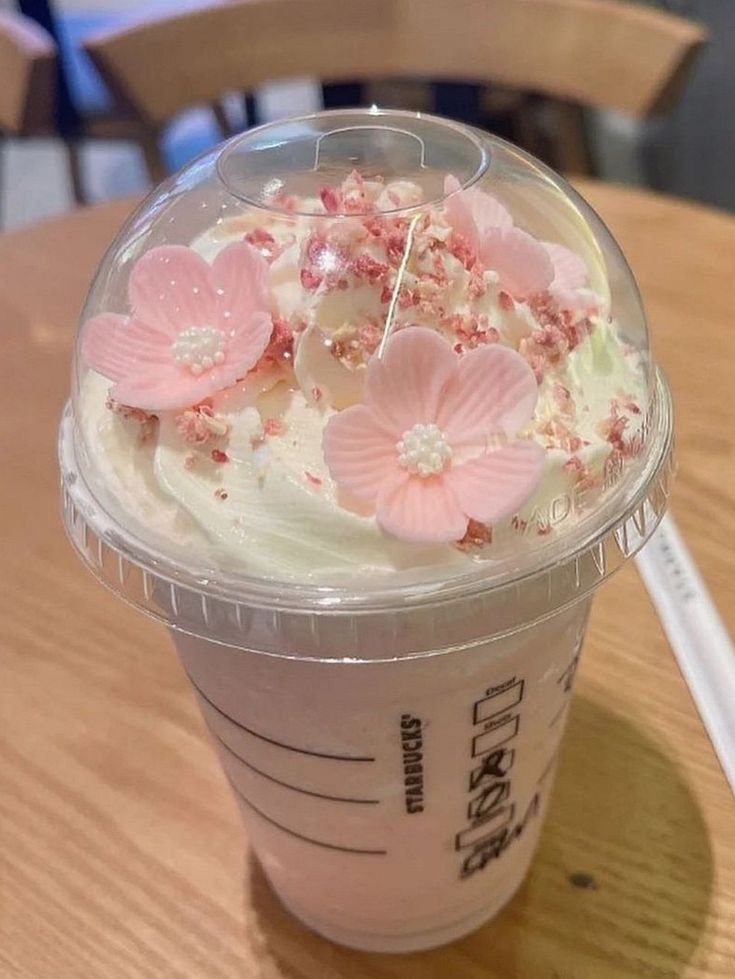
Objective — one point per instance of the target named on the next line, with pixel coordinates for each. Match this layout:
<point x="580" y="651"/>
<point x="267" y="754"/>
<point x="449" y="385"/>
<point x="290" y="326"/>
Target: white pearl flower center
<point x="424" y="450"/>
<point x="199" y="348"/>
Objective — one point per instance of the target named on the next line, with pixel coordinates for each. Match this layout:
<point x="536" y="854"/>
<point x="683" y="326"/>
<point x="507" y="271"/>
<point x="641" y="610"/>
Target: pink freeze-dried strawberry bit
<point x="407" y="298"/>
<point x="563" y="400"/>
<point x="265" y="243"/>
<point x="395" y="245"/>
<point x="326" y="260"/>
<point x="331" y="199"/>
<point x="558" y="322"/>
<point x="369" y="334"/>
<point x="439" y="270"/>
<point x="505" y="301"/>
<point x="471" y="330"/>
<point x="354" y="343"/>
<point x="125" y="411"/>
<point x="374" y="226"/>
<point x="477" y="286"/>
<point x="354" y="195"/>
<point x="312" y="479"/>
<point x="461" y="249"/>
<point x="287" y="202"/>
<point x="274" y="426"/>
<point x="615" y="429"/>
<point x="147" y="421"/>
<point x="478" y="535"/>
<point x="367" y="267"/>
<point x="560" y="436"/>
<point x="199" y="424"/>
<point x="310" y="280"/>
<point x="555" y="336"/>
<point x="219" y="456"/>
<point x="535" y="360"/>
<point x="280" y="345"/>
<point x="584" y="478"/>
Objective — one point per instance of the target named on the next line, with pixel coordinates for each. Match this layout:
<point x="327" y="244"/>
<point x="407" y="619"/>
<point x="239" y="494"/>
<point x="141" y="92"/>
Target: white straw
<point x="698" y="636"/>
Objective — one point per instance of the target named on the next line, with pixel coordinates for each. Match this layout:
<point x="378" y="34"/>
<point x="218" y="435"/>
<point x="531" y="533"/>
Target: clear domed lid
<point x="365" y="349"/>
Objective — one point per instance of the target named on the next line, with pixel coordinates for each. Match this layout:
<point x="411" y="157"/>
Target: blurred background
<point x="80" y="137"/>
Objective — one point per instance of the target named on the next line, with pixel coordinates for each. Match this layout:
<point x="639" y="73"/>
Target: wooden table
<point x="120" y="847"/>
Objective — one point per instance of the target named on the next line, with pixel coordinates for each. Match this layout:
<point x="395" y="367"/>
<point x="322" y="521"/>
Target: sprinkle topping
<point x="424" y="450"/>
<point x="199" y="348"/>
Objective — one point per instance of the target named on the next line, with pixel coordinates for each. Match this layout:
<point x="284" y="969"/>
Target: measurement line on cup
<point x="300" y="836"/>
<point x="558" y="714"/>
<point x="263" y="737"/>
<point x="287" y="785"/>
<point x="547" y="771"/>
<point x="567" y="676"/>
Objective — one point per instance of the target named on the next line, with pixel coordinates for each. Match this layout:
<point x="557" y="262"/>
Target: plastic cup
<point x="391" y="744"/>
<point x="392" y="765"/>
<point x="394" y="805"/>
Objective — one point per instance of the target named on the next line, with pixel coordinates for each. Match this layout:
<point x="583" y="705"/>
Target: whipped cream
<point x="242" y="479"/>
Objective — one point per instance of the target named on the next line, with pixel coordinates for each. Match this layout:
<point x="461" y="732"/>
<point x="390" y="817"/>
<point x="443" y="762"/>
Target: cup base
<point x="415" y="941"/>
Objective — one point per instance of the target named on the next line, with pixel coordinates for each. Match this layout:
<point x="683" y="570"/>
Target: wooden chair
<point x="603" y="53"/>
<point x="28" y="87"/>
<point x="27" y="80"/>
<point x="27" y="76"/>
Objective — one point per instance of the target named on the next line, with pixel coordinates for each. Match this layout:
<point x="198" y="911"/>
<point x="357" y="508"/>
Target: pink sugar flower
<point x="474" y="213"/>
<point x="195" y="328"/>
<point x="521" y="262"/>
<point x="570" y="272"/>
<point x="433" y="445"/>
<point x="570" y="276"/>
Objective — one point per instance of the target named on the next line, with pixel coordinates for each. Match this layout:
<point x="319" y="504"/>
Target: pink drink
<point x="364" y="412"/>
<point x="393" y="805"/>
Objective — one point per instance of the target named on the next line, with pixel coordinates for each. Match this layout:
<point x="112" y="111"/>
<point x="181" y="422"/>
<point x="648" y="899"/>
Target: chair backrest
<point x="604" y="53"/>
<point x="27" y="76"/>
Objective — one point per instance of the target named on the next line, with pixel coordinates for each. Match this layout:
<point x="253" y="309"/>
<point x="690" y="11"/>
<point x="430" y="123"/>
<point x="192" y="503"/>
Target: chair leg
<point x="342" y="95"/>
<point x="154" y="162"/>
<point x="76" y="176"/>
<point x="570" y="140"/>
<point x="527" y="130"/>
<point x="223" y="123"/>
<point x="251" y="111"/>
<point x="458" y="101"/>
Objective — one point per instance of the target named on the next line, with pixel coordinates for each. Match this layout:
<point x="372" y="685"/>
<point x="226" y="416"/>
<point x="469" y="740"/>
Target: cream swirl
<point x="244" y="476"/>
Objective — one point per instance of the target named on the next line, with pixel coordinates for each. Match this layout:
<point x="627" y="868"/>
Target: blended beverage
<point x="364" y="411"/>
<point x="395" y="805"/>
